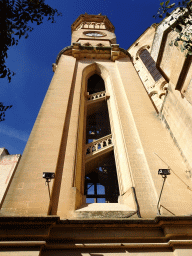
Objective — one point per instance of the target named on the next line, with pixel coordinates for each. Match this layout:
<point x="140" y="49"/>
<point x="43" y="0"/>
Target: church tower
<point x="100" y="135"/>
<point x="97" y="131"/>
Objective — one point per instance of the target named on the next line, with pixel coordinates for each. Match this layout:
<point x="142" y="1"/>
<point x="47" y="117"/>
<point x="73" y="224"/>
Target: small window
<point x="101" y="185"/>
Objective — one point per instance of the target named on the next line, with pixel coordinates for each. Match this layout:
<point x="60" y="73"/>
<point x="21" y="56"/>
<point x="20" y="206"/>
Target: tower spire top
<point x="99" y="18"/>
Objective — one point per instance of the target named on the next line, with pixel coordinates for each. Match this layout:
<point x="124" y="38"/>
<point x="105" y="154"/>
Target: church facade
<point x="113" y="137"/>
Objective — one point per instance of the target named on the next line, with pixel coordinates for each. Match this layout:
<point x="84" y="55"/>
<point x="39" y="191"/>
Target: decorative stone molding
<point x="92" y="21"/>
<point x="79" y="51"/>
<point x="87" y="44"/>
<point x="95" y="96"/>
<point x="160" y="31"/>
<point x="159" y="234"/>
<point x="155" y="89"/>
<point x="93" y="25"/>
<point x="54" y="67"/>
<point x="66" y="51"/>
<point x="140" y="50"/>
<point x="115" y="52"/>
<point x="98" y="145"/>
<point x="75" y="50"/>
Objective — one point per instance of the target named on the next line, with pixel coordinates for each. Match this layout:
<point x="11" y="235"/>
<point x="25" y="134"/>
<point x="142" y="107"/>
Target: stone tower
<point x="99" y="132"/>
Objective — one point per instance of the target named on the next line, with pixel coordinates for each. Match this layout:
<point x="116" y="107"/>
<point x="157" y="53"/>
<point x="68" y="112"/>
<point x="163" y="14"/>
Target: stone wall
<point x="8" y="165"/>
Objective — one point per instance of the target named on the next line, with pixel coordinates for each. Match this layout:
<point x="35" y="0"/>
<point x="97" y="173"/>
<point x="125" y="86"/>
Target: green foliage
<point x="2" y="111"/>
<point x="15" y="19"/>
<point x="182" y="24"/>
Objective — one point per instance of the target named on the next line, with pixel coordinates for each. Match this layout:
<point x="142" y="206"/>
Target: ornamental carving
<point x="92" y="25"/>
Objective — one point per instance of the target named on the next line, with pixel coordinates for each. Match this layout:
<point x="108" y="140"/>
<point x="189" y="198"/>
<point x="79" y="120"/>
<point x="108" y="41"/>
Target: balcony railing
<point x="99" y="145"/>
<point x="96" y="95"/>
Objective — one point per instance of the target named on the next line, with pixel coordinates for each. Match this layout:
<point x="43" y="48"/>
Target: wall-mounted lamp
<point x="163" y="173"/>
<point x="48" y="176"/>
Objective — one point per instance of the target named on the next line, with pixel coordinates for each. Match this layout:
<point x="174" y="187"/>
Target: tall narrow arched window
<point x="100" y="184"/>
<point x="150" y="65"/>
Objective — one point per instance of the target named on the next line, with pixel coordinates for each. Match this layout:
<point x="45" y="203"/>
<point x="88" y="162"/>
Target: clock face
<point x="93" y="34"/>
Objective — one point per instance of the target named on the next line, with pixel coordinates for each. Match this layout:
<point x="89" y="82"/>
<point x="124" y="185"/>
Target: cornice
<point x="52" y="232"/>
<point x="63" y="51"/>
<point x="78" y="51"/>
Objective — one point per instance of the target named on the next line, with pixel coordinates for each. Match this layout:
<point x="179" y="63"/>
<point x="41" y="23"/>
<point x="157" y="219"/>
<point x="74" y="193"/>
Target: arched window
<point x="101" y="185"/>
<point x="150" y="65"/>
<point x="95" y="84"/>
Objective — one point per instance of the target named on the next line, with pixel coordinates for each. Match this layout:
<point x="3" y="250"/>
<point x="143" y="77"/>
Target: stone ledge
<point x="108" y="210"/>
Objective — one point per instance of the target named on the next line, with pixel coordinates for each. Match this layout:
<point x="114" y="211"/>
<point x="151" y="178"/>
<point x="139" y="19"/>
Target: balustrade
<point x="99" y="144"/>
<point x="94" y="25"/>
<point x="96" y="95"/>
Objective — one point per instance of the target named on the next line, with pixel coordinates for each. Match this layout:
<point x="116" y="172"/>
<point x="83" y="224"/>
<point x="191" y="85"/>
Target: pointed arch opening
<point x="95" y="84"/>
<point x="99" y="151"/>
<point x="100" y="185"/>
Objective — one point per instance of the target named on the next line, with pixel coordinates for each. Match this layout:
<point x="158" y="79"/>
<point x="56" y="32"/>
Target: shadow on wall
<point x="112" y="252"/>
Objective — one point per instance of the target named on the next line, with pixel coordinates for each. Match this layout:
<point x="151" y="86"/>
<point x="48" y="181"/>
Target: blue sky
<point x="32" y="59"/>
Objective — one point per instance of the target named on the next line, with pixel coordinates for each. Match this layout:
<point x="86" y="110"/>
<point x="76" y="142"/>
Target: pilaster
<point x="28" y="194"/>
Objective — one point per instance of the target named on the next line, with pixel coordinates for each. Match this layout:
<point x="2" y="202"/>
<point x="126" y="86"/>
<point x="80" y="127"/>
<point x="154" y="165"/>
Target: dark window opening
<point x="95" y="84"/>
<point x="150" y="65"/>
<point x="98" y="124"/>
<point x="101" y="185"/>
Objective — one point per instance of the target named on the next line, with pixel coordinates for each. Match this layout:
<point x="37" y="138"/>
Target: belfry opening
<point x="101" y="185"/>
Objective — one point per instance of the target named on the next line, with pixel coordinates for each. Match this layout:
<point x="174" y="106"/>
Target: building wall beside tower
<point x="8" y="166"/>
<point x="171" y="94"/>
